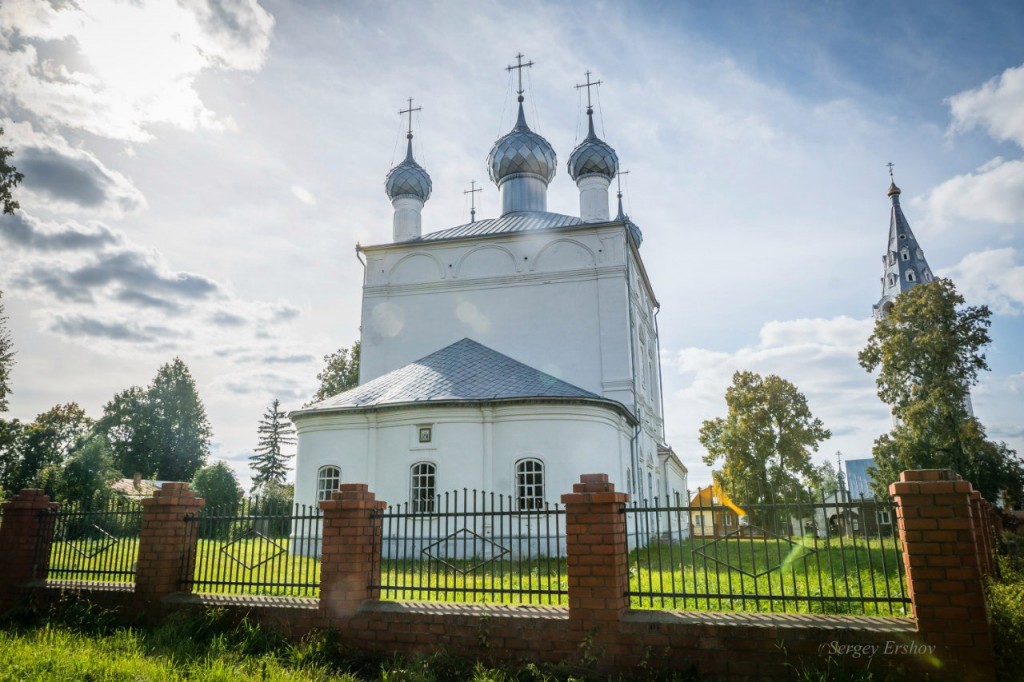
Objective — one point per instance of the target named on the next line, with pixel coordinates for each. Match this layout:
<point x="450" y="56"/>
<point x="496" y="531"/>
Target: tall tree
<point x="11" y="431"/>
<point x="9" y="179"/>
<point x="340" y="373"/>
<point x="127" y="423"/>
<point x="765" y="442"/>
<point x="182" y="434"/>
<point x="269" y="463"/>
<point x="49" y="441"/>
<point x="6" y="358"/>
<point x="161" y="431"/>
<point x="929" y="351"/>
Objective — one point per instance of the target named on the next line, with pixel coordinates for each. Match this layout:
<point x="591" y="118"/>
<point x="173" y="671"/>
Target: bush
<point x="1006" y="604"/>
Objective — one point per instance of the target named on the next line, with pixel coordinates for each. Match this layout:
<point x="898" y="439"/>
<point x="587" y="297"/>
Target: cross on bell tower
<point x="519" y="69"/>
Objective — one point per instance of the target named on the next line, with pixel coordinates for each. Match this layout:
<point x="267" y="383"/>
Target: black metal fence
<point x="829" y="555"/>
<point x="260" y="547"/>
<point x="473" y="546"/>
<point x="94" y="544"/>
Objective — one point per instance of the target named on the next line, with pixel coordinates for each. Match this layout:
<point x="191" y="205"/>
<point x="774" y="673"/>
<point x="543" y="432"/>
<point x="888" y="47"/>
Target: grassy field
<point x="806" y="576"/>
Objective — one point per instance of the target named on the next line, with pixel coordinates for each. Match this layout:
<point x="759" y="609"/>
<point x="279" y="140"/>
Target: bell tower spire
<point x="903" y="264"/>
<point x="408" y="186"/>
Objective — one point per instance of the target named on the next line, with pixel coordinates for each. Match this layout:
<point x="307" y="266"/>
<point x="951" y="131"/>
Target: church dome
<point x="408" y="179"/>
<point x="593" y="156"/>
<point x="521" y="151"/>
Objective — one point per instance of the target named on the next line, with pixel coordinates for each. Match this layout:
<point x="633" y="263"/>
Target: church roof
<point x="518" y="221"/>
<point x="463" y="371"/>
<point x="904" y="264"/>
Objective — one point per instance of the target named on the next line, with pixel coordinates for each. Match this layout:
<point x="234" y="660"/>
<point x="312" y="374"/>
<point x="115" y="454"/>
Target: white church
<point x="508" y="354"/>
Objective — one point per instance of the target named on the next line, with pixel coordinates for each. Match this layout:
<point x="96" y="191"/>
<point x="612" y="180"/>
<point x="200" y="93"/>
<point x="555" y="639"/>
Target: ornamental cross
<point x="473" y="189"/>
<point x="588" y="85"/>
<point x="409" y="111"/>
<point x="890" y="165"/>
<point x="519" y="67"/>
<point x="618" y="180"/>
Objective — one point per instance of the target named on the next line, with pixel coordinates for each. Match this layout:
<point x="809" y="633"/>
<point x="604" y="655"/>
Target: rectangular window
<point x="884" y="519"/>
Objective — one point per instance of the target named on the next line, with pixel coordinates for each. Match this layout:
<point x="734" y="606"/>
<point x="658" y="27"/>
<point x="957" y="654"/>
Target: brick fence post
<point x="944" y="571"/>
<point x="595" y="546"/>
<point x="982" y="538"/>
<point x="167" y="541"/>
<point x="351" y="549"/>
<point x="25" y="538"/>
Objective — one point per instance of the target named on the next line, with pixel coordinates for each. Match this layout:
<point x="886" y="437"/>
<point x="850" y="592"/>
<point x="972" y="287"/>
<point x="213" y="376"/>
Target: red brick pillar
<point x="167" y="542"/>
<point x="26" y="534"/>
<point x="981" y="539"/>
<point x="595" y="546"/>
<point x="351" y="549"/>
<point x="944" y="573"/>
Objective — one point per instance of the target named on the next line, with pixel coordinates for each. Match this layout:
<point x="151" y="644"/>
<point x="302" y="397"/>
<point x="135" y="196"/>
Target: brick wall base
<point x="729" y="647"/>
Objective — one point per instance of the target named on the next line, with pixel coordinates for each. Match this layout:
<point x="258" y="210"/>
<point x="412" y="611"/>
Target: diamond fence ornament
<point x="256" y="544"/>
<point x="463" y="545"/>
<point x="91" y="540"/>
<point x="795" y="551"/>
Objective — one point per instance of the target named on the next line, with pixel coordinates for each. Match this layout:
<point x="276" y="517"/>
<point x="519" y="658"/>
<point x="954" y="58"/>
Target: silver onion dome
<point x="593" y="156"/>
<point x="408" y="178"/>
<point x="521" y="151"/>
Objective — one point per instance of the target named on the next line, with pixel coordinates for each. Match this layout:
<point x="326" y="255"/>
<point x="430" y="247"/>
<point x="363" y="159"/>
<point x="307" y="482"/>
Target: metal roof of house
<point x="517" y="221"/>
<point x="465" y="370"/>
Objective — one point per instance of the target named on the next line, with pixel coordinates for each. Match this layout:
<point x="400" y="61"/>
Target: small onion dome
<point x="593" y="156"/>
<point x="893" y="190"/>
<point x="521" y="151"/>
<point x="408" y="179"/>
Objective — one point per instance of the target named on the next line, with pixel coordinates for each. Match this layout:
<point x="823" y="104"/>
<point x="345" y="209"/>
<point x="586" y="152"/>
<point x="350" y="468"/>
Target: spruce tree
<point x="269" y="463"/>
<point x="6" y="357"/>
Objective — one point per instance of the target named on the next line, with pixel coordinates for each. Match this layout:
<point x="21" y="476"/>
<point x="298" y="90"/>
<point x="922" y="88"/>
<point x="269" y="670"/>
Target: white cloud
<point x="997" y="106"/>
<point x="994" y="193"/>
<point x="304" y="195"/>
<point x="993" y="277"/>
<point x="115" y="68"/>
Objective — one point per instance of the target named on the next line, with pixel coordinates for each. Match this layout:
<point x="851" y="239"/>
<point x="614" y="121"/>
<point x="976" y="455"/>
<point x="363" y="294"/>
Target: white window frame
<point x="324" y="481"/>
<point x="529" y="484"/>
<point x="422" y="487"/>
<point x="884" y="517"/>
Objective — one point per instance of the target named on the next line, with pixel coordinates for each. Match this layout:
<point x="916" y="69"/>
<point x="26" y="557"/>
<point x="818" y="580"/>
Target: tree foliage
<point x="87" y="475"/>
<point x="217" y="485"/>
<point x="47" y="443"/>
<point x="11" y="431"/>
<point x="269" y="463"/>
<point x="9" y="179"/>
<point x="764" y="443"/>
<point x="340" y="373"/>
<point x="160" y="431"/>
<point x="929" y="351"/>
<point x="6" y="358"/>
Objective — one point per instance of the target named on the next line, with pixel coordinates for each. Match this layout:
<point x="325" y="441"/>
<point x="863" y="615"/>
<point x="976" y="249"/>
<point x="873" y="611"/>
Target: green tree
<point x="217" y="485"/>
<point x="928" y="352"/>
<point x="340" y="373"/>
<point x="11" y="431"/>
<point x="826" y="481"/>
<point x="127" y="423"/>
<point x="765" y="442"/>
<point x="181" y="430"/>
<point x="49" y="440"/>
<point x="269" y="463"/>
<point x="6" y="357"/>
<point x="160" y="431"/>
<point x="9" y="179"/>
<point x="87" y="476"/>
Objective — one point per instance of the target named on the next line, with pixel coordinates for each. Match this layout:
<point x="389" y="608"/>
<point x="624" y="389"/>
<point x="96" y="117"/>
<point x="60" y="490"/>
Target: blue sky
<point x="199" y="173"/>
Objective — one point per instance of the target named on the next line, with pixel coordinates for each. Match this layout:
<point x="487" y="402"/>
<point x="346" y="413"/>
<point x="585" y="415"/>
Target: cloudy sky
<point x="197" y="175"/>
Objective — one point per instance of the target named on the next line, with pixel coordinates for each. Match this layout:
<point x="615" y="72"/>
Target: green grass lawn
<point x="798" y="575"/>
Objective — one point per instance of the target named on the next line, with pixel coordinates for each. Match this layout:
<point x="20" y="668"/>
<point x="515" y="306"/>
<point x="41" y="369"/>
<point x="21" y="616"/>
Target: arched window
<point x="911" y="276"/>
<point x="629" y="482"/>
<point x="422" y="488"/>
<point x="529" y="484"/>
<point x="905" y="254"/>
<point x="327" y="481"/>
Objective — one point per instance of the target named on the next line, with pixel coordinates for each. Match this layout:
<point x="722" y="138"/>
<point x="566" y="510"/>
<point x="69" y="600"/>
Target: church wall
<point x="472" y="447"/>
<point x="554" y="300"/>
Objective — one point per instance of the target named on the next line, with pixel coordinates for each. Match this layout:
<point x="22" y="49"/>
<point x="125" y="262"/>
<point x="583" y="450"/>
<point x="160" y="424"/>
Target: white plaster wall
<point x="472" y="447"/>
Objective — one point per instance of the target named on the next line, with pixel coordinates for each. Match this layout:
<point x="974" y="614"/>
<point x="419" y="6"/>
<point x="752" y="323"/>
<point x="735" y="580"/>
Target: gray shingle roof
<point x="465" y="370"/>
<point x="519" y="221"/>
